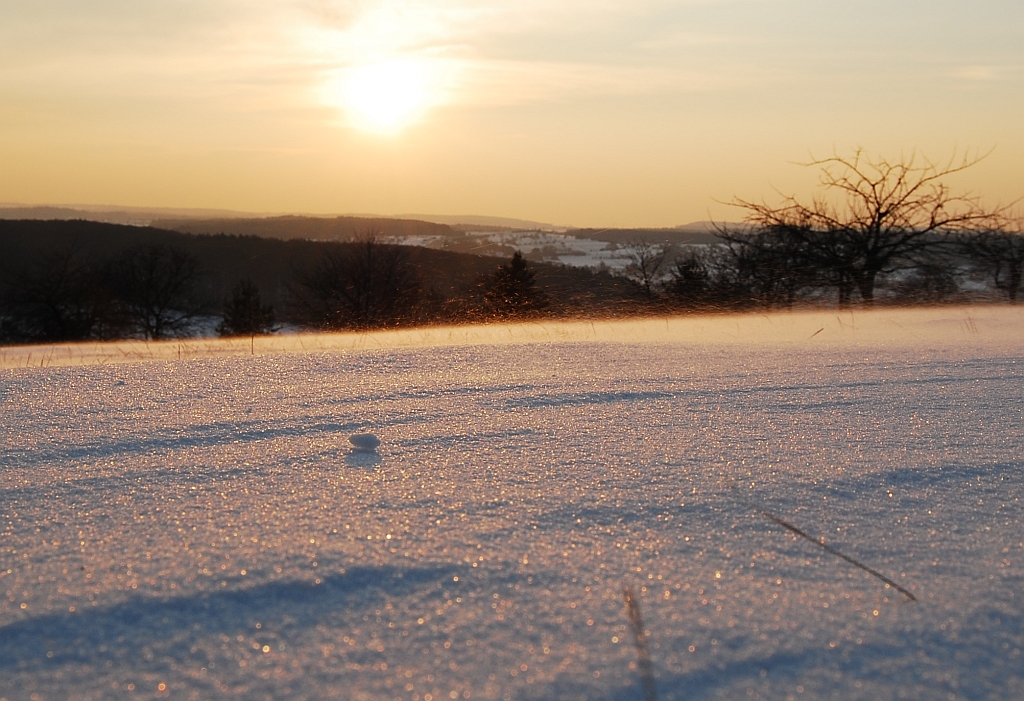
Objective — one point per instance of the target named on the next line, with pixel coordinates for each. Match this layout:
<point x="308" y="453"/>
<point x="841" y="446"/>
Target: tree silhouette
<point x="154" y="286"/>
<point x="691" y="279"/>
<point x="56" y="297"/>
<point x="646" y="261"/>
<point x="245" y="314"/>
<point x="511" y="290"/>
<point x="873" y="216"/>
<point x="770" y="265"/>
<point x="999" y="253"/>
<point x="364" y="284"/>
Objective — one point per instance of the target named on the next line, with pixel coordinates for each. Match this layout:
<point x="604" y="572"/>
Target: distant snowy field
<point x="199" y="529"/>
<point x="549" y="246"/>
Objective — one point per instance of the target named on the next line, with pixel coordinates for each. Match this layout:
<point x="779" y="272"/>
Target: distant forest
<point x="76" y="280"/>
<point x="308" y="228"/>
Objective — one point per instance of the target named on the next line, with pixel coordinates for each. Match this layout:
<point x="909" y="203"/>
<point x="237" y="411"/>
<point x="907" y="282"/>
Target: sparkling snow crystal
<point x="200" y="529"/>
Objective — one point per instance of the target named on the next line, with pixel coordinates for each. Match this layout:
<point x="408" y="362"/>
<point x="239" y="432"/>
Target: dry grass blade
<point x="829" y="548"/>
<point x="643" y="654"/>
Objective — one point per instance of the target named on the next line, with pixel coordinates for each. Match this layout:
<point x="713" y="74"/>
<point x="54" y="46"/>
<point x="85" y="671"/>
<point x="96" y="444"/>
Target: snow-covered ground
<point x="201" y="528"/>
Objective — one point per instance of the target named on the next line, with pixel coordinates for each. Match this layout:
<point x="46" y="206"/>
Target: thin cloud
<point x="514" y="82"/>
<point x="987" y="74"/>
<point x="483" y="54"/>
<point x="491" y="53"/>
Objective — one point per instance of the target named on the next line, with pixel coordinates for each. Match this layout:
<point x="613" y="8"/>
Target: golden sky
<point x="586" y="113"/>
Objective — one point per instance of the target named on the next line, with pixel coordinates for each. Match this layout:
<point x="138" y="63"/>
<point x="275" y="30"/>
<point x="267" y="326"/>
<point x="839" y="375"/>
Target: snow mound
<point x="364" y="442"/>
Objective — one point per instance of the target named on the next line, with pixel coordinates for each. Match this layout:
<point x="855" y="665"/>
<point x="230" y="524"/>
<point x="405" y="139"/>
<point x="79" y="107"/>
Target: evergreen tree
<point x="245" y="314"/>
<point x="691" y="280"/>
<point x="511" y="290"/>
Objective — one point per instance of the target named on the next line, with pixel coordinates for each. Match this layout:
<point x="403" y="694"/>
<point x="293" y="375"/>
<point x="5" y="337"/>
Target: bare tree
<point x="1000" y="253"/>
<point x="731" y="276"/>
<point x="770" y="265"/>
<point x="154" y="286"/>
<point x="362" y="284"/>
<point x="874" y="216"/>
<point x="57" y="297"/>
<point x="646" y="261"/>
<point x="931" y="281"/>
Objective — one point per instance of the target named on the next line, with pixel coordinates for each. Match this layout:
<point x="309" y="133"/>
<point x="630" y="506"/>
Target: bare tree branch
<point x="874" y="216"/>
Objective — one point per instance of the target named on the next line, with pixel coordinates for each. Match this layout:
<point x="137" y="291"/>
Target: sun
<point x="385" y="97"/>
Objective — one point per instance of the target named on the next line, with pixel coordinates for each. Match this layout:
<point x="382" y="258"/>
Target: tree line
<point x="369" y="285"/>
<point x="62" y="295"/>
<point x="877" y="226"/>
<point x="150" y="285"/>
<point x="874" y="221"/>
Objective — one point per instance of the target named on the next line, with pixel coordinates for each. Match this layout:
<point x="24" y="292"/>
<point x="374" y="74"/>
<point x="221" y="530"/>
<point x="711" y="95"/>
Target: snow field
<point x="978" y="327"/>
<point x="202" y="528"/>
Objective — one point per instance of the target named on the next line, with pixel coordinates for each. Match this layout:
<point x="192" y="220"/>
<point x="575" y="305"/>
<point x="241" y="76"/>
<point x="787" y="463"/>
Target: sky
<point x="583" y="113"/>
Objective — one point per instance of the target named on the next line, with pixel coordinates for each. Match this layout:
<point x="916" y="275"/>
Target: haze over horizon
<point x="585" y="114"/>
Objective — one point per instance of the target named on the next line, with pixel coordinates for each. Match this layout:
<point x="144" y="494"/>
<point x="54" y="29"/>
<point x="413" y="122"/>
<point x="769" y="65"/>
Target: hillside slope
<point x="273" y="263"/>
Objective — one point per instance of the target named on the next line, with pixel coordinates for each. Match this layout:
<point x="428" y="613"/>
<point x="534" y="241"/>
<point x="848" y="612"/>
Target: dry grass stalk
<point x="643" y="654"/>
<point x="828" y="548"/>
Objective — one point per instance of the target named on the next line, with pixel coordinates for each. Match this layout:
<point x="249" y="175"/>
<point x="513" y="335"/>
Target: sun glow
<point x="386" y="97"/>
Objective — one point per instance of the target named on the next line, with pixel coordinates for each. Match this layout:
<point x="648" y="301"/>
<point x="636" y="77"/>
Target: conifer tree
<point x="245" y="314"/>
<point x="511" y="290"/>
